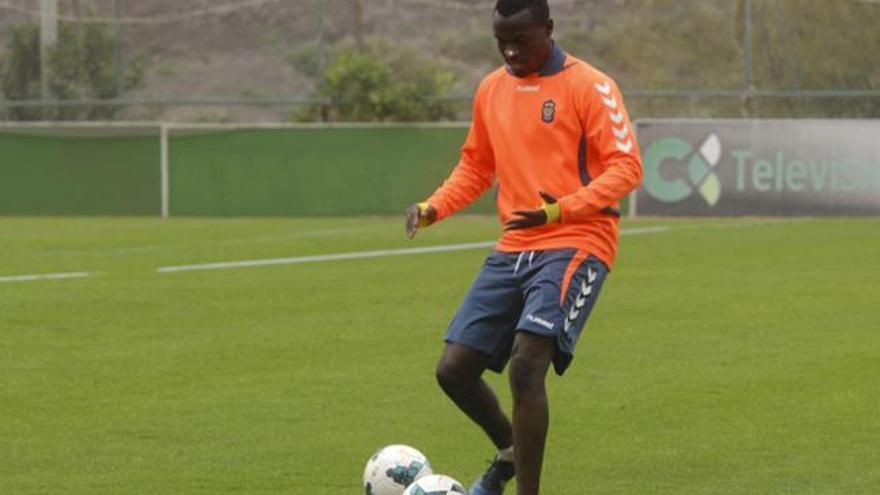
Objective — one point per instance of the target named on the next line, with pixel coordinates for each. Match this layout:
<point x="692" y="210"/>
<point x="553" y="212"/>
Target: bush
<point x="82" y="65"/>
<point x="381" y="82"/>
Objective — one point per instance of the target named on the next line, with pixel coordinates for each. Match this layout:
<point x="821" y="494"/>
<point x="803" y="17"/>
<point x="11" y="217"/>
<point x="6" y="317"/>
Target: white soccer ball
<point x="435" y="484"/>
<point x="393" y="468"/>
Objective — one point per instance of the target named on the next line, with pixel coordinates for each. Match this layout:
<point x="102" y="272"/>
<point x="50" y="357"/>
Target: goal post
<point x="164" y="172"/>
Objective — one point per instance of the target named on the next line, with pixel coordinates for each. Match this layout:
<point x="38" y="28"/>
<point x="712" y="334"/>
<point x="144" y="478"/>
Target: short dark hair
<point x="539" y="8"/>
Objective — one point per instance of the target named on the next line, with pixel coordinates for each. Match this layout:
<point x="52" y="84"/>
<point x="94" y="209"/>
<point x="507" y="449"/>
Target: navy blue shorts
<point x="549" y="293"/>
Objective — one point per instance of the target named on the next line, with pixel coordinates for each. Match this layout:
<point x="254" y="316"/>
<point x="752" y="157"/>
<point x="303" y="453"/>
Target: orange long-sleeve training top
<point x="563" y="130"/>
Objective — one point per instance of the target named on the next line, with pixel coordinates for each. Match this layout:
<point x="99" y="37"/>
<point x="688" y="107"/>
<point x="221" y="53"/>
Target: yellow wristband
<point x="553" y="211"/>
<point x="423" y="220"/>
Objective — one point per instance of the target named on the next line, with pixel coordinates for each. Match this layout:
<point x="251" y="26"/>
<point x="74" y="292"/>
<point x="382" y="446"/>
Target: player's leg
<point x="482" y="326"/>
<point x="459" y="373"/>
<point x="561" y="290"/>
<point x="529" y="362"/>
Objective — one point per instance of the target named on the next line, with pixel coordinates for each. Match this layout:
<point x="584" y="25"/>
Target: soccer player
<point x="551" y="132"/>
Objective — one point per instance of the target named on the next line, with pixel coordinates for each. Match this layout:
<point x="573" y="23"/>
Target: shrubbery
<point x="82" y="66"/>
<point x="379" y="82"/>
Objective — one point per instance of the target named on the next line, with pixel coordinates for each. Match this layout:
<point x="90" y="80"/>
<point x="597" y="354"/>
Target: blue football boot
<point x="493" y="480"/>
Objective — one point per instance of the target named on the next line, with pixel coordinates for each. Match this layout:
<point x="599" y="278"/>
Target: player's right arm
<point x="473" y="175"/>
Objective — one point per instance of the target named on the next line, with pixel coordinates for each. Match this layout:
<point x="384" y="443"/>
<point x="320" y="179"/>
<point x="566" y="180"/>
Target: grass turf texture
<point x="724" y="357"/>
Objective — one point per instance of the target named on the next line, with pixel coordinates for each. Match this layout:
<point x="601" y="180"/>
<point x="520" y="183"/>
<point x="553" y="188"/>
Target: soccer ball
<point x="390" y="470"/>
<point x="435" y="484"/>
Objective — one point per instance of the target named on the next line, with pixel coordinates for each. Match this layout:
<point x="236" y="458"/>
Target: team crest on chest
<point x="548" y="111"/>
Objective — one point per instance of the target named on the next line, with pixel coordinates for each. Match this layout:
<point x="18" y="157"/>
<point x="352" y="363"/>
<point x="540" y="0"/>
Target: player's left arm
<point x="610" y="137"/>
<point x="611" y="142"/>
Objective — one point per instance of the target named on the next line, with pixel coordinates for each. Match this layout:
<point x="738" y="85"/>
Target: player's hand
<point x="417" y="216"/>
<point x="549" y="212"/>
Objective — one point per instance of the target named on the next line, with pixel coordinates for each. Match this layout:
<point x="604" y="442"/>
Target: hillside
<point x="241" y="48"/>
<point x="238" y="49"/>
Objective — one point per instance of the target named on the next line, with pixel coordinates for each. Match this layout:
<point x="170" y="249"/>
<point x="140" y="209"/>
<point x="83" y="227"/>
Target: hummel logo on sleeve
<point x="624" y="143"/>
<point x="625" y="147"/>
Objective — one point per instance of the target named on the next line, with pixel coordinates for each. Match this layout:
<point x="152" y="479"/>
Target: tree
<point x="20" y="70"/>
<point x="81" y="67"/>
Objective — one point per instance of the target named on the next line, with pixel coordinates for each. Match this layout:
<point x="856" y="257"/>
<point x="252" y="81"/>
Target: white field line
<point x="645" y="230"/>
<point x="45" y="276"/>
<point x="360" y="255"/>
<point x="327" y="257"/>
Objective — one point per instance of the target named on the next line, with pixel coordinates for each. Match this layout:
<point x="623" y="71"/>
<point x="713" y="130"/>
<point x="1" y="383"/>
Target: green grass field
<point x="736" y="356"/>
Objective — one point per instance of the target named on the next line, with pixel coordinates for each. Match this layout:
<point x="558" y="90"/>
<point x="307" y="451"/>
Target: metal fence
<point x="262" y="60"/>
